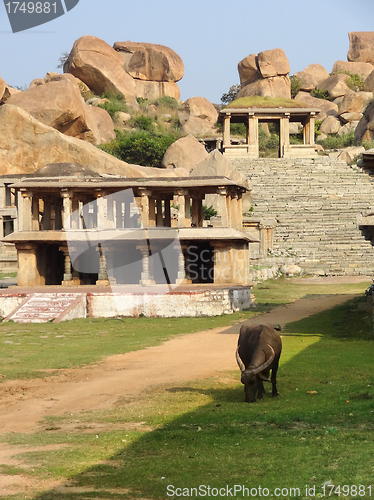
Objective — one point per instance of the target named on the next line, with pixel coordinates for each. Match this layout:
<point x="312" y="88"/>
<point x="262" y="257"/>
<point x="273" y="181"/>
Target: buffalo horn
<point x="262" y="367"/>
<point x="239" y="361"/>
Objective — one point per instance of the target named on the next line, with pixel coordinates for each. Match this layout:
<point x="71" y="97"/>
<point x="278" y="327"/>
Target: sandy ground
<point x="23" y="404"/>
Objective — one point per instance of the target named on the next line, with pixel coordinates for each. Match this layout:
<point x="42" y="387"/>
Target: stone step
<point x="43" y="307"/>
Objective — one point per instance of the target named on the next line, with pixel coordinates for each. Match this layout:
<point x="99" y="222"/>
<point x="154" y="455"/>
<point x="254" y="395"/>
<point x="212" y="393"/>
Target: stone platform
<point x="58" y="303"/>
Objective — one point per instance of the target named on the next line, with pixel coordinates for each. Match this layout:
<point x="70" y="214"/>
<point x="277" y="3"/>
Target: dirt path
<point x="25" y="403"/>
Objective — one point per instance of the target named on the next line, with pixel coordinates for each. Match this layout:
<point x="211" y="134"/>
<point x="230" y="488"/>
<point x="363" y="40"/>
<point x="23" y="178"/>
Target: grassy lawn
<point x="318" y="432"/>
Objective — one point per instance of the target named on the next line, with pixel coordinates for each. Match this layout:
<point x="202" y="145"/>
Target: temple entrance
<point x="53" y="259"/>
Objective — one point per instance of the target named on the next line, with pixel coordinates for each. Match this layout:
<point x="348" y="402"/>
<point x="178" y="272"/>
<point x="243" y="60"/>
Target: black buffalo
<point x="258" y="352"/>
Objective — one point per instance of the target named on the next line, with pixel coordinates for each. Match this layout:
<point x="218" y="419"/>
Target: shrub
<point x="338" y="141"/>
<point x="141" y="147"/>
<point x="167" y="101"/>
<point x="142" y="122"/>
<point x="368" y="144"/>
<point x="320" y="94"/>
<point x="116" y="103"/>
<point x="355" y="82"/>
<point x="295" y="85"/>
<point x="142" y="101"/>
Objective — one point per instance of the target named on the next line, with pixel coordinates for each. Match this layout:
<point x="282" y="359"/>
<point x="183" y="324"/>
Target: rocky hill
<point x="61" y="116"/>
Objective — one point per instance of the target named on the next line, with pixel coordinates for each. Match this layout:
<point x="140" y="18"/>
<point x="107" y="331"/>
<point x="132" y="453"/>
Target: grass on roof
<point x="257" y="101"/>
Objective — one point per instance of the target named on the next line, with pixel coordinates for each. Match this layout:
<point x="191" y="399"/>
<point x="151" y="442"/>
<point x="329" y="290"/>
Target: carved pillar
<point x="284" y="133"/>
<point x="102" y="278"/>
<point x="68" y="276"/>
<point x="145" y="278"/>
<point x="145" y="195"/>
<point x="67" y="206"/>
<point x="180" y="199"/>
<point x="35" y="212"/>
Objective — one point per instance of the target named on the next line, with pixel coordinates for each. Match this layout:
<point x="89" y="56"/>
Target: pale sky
<point x="210" y="36"/>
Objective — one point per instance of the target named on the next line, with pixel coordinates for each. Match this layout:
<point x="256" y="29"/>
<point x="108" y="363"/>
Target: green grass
<point x="202" y="433"/>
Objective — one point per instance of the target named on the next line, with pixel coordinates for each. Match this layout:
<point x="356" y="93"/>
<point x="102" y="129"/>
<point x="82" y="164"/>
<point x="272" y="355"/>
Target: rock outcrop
<point x="26" y="144"/>
<point x="186" y="153"/>
<point x="150" y="62"/>
<point x="361" y="46"/>
<point x="132" y="69"/>
<point x="360" y="68"/>
<point x="197" y="116"/>
<point x="265" y="74"/>
<point x="365" y="128"/>
<point x="59" y="104"/>
<point x="311" y="76"/>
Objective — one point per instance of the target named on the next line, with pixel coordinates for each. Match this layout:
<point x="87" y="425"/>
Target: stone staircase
<point x="315" y="203"/>
<point x="44" y="307"/>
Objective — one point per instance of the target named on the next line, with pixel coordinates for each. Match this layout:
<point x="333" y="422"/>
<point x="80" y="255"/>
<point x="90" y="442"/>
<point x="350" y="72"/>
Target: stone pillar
<point x="46" y="214"/>
<point x="222" y="206"/>
<point x="187" y="211"/>
<point x="100" y="203"/>
<point x="159" y="215"/>
<point x="145" y="195"/>
<point x="75" y="218"/>
<point x="167" y="212"/>
<point x="35" y="213"/>
<point x="102" y="278"/>
<point x="284" y="133"/>
<point x="181" y="274"/>
<point x="26" y="221"/>
<point x="222" y="258"/>
<point x="68" y="276"/>
<point x="180" y="199"/>
<point x="312" y="122"/>
<point x="252" y="135"/>
<point x="234" y="215"/>
<point x="145" y="278"/>
<point x="197" y="211"/>
<point x="226" y="131"/>
<point x="127" y="216"/>
<point x="28" y="274"/>
<point x="110" y="211"/>
<point x="67" y="206"/>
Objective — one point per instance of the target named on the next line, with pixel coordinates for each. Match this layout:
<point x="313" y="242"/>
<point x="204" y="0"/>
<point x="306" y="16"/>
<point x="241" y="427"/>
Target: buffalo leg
<point x="274" y="391"/>
<point x="261" y="389"/>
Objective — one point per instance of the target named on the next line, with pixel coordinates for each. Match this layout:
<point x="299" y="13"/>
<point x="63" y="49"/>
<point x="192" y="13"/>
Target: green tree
<point x="231" y="94"/>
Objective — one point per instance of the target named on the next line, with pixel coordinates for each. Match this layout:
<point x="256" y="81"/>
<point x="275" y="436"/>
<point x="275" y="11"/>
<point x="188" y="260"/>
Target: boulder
<point x="361" y="46"/>
<point x="350" y="126"/>
<point x="365" y="128"/>
<point x="369" y="83"/>
<point x="100" y="67"/>
<point x="151" y="62"/>
<point x="56" y="77"/>
<point x="290" y="269"/>
<point x="50" y="75"/>
<point x="3" y="87"/>
<point x="60" y="105"/>
<point x="26" y="144"/>
<point x="350" y="117"/>
<point x="273" y="62"/>
<point x="349" y="154"/>
<point x="330" y="125"/>
<point x="360" y="68"/>
<point x="248" y="70"/>
<point x="335" y="85"/>
<point x="154" y="90"/>
<point x="7" y="92"/>
<point x="327" y="108"/>
<point x="36" y="82"/>
<point x="354" y="102"/>
<point x="215" y="164"/>
<point x="186" y="152"/>
<point x="311" y="76"/>
<point x="278" y="86"/>
<point x="198" y="127"/>
<point x="197" y="107"/>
